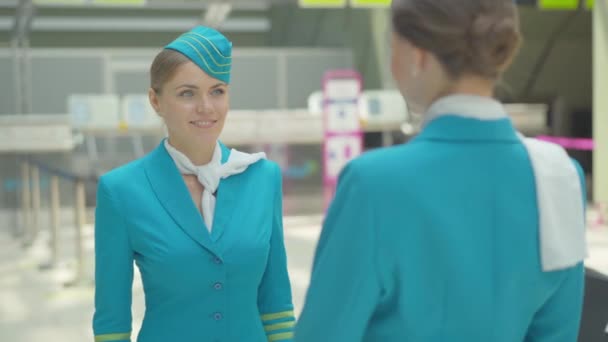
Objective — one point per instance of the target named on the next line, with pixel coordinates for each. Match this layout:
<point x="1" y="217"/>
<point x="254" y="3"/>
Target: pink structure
<point x="350" y="138"/>
<point x="584" y="144"/>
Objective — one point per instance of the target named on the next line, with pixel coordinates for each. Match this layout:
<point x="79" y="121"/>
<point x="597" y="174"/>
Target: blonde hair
<point x="164" y="66"/>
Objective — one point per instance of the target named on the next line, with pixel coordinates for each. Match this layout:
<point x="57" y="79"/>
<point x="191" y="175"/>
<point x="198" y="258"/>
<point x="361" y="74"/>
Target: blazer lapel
<point x="225" y="200"/>
<point x="172" y="193"/>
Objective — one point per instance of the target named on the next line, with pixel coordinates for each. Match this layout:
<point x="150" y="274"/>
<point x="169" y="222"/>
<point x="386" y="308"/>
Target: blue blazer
<point x="228" y="285"/>
<point x="438" y="240"/>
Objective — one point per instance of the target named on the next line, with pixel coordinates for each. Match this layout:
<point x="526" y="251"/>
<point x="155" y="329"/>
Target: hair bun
<point x="492" y="43"/>
<point x="474" y="37"/>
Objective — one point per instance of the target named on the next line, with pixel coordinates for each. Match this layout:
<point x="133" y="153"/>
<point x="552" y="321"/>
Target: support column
<point x="381" y="28"/>
<point x="600" y="101"/>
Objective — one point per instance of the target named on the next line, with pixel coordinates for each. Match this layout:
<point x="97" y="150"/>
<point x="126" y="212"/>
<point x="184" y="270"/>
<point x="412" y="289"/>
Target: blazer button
<point x="218" y="286"/>
<point x="217" y="316"/>
<point x="217" y="261"/>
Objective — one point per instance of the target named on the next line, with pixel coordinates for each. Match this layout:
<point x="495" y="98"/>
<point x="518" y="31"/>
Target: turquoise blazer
<point x="228" y="285"/>
<point x="438" y="240"/>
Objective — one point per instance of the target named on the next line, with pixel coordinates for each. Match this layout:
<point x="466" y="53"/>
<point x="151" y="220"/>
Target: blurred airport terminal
<point x="74" y="105"/>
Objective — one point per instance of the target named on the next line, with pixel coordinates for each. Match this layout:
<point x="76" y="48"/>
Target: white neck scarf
<point x="209" y="175"/>
<point x="559" y="194"/>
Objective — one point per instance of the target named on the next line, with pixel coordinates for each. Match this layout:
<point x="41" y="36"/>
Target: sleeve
<point x="345" y="287"/>
<point x="559" y="319"/>
<point x="113" y="271"/>
<point x="274" y="293"/>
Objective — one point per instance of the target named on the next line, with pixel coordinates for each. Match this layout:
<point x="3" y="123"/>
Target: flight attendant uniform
<point x="230" y="284"/>
<point x="469" y="232"/>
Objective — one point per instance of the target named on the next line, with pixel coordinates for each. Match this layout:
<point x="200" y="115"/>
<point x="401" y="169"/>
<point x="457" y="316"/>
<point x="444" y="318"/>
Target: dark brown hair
<point x="478" y="37"/>
<point x="164" y="66"/>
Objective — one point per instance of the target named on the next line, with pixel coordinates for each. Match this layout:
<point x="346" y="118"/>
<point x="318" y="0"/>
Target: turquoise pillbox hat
<point x="207" y="48"/>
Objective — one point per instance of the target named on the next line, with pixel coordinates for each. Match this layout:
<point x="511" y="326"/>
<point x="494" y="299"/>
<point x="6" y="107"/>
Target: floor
<point x="36" y="305"/>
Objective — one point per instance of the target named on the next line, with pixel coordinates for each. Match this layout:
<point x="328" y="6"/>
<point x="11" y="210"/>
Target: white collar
<point x="209" y="175"/>
<point x="469" y="106"/>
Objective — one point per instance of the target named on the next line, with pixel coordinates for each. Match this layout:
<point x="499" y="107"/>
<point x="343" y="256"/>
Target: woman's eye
<point x="186" y="93"/>
<point x="218" y="91"/>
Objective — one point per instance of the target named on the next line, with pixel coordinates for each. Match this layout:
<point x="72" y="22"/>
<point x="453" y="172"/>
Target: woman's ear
<point x="420" y="61"/>
<point x="154" y="101"/>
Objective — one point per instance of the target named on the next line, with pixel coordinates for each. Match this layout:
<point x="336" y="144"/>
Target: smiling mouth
<point x="203" y="123"/>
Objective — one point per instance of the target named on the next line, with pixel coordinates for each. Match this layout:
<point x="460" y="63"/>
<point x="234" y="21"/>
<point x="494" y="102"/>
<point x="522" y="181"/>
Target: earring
<point x="414" y="71"/>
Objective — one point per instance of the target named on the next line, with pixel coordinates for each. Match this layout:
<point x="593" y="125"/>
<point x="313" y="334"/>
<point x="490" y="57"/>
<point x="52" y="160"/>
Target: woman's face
<point x="193" y="106"/>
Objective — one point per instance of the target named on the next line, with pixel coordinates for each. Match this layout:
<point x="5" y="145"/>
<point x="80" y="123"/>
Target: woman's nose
<point x="204" y="105"/>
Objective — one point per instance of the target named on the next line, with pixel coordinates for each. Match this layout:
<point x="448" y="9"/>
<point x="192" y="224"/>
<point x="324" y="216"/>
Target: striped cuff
<point x="113" y="337"/>
<point x="279" y="326"/>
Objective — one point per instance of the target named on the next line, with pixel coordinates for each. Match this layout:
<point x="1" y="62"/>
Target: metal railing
<point x="31" y="173"/>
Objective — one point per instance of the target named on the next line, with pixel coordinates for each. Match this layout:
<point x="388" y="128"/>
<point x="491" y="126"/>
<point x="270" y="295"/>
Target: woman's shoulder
<point x="384" y="161"/>
<point x="123" y="175"/>
<point x="264" y="172"/>
<point x="266" y="167"/>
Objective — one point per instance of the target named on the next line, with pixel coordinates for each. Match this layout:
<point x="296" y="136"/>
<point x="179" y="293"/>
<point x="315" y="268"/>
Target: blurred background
<point x="73" y="105"/>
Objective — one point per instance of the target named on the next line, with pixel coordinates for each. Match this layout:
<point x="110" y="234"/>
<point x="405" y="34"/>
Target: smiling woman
<point x="192" y="104"/>
<point x="209" y="271"/>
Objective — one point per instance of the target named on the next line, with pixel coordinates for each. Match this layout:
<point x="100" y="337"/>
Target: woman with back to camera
<point x="202" y="222"/>
<point x="468" y="233"/>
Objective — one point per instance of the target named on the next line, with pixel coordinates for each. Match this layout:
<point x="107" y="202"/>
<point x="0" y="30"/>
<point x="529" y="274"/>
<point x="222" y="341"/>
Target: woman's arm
<point x="274" y="294"/>
<point x="113" y="270"/>
<point x="345" y="286"/>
